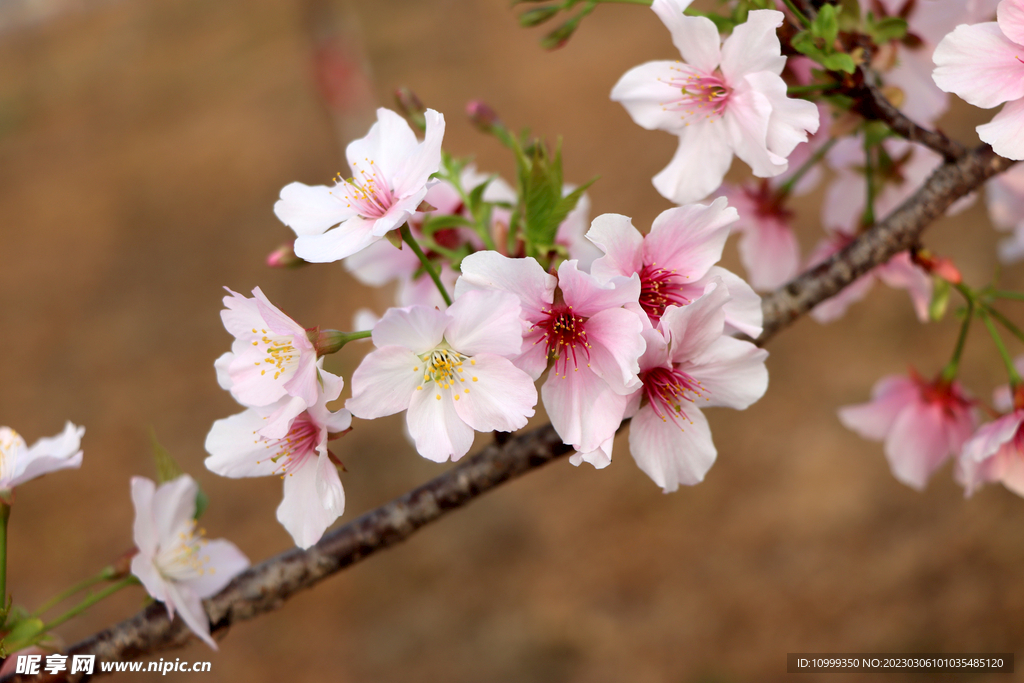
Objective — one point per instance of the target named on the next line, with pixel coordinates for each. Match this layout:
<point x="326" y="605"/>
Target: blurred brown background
<point x="142" y="146"/>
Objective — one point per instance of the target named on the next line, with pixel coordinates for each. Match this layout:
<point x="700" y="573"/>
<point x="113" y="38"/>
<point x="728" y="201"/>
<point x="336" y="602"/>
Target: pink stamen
<point x="666" y="389"/>
<point x="705" y="94"/>
<point x="659" y="289"/>
<point x="295" y="447"/>
<point x="566" y="337"/>
<point x="368" y="194"/>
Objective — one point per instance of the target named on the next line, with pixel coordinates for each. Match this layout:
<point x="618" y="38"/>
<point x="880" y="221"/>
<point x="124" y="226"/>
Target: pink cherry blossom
<point x="994" y="453"/>
<point x="175" y="564"/>
<point x="20" y="463"/>
<point x="675" y="261"/>
<point x="689" y="364"/>
<point x="768" y="247"/>
<point x="274" y="440"/>
<point x="922" y="423"/>
<point x="449" y="370"/>
<point x="593" y="343"/>
<point x="723" y="99"/>
<point x="271" y="356"/>
<point x="898" y="272"/>
<point x="981" y="63"/>
<point x="1005" y="201"/>
<point x="391" y="171"/>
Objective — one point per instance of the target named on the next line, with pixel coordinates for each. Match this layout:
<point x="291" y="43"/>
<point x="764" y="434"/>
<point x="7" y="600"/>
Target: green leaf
<point x="826" y="25"/>
<point x="433" y="223"/>
<point x="167" y="469"/>
<point x="840" y="61"/>
<point x="890" y="28"/>
<point x="875" y="132"/>
<point x="537" y="16"/>
<point x="24" y="633"/>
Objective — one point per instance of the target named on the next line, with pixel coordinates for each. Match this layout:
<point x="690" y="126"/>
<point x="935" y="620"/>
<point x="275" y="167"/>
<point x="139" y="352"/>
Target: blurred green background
<point x="142" y="146"/>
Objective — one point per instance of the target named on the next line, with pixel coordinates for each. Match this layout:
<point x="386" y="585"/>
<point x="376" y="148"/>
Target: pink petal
<point x="436" y="427"/>
<point x="732" y="373"/>
<point x="1010" y="17"/>
<point x="703" y="156"/>
<point x="917" y="444"/>
<point x="495" y="395"/>
<point x="588" y="296"/>
<point x="424" y="161"/>
<point x="696" y="38"/>
<point x="600" y="458"/>
<point x="769" y="251"/>
<point x="234" y="449"/>
<point x="621" y="243"/>
<point x="691" y="329"/>
<point x="523" y="277"/>
<point x="874" y="420"/>
<point x="791" y="119"/>
<point x="648" y="93"/>
<point x="901" y="272"/>
<point x="385" y="382"/>
<point x="743" y="311"/>
<point x="380" y="263"/>
<point x="485" y="322"/>
<point x="746" y="119"/>
<point x="834" y="308"/>
<point x="690" y="239"/>
<point x="1006" y="130"/>
<point x="616" y="344"/>
<point x="416" y="328"/>
<point x="310" y="210"/>
<point x="979" y="64"/>
<point x="990" y="437"/>
<point x="754" y="46"/>
<point x="584" y="411"/>
<point x="671" y="455"/>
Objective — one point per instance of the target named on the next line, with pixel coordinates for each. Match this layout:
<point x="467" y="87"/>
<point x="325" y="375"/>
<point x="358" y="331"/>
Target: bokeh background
<point x="142" y="146"/>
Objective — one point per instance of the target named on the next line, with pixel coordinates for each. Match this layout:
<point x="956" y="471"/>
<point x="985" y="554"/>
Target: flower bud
<point x="482" y="116"/>
<point x="284" y="257"/>
<point x="411" y="107"/>
<point x="537" y="16"/>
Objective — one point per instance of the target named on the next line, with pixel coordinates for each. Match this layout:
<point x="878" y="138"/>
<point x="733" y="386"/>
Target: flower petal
<point x="587" y="296"/>
<point x="495" y="395"/>
<point x="235" y="449"/>
<point x="696" y="38"/>
<point x="223" y="562"/>
<point x="416" y="328"/>
<point x="703" y="156"/>
<point x="190" y="608"/>
<point x="50" y="454"/>
<point x="524" y="277"/>
<point x="582" y="408"/>
<point x="352" y="236"/>
<point x="746" y="120"/>
<point x="979" y="64"/>
<point x="732" y="373"/>
<point x="621" y="243"/>
<point x="301" y="511"/>
<point x="485" y="322"/>
<point x="754" y="46"/>
<point x="691" y="329"/>
<point x="418" y="167"/>
<point x="144" y="526"/>
<point x="917" y="446"/>
<point x="671" y="455"/>
<point x="649" y="93"/>
<point x="600" y="458"/>
<point x="385" y="382"/>
<point x="874" y="419"/>
<point x="310" y="210"/>
<point x="690" y="239"/>
<point x="616" y="344"/>
<point x="1005" y="132"/>
<point x="1010" y="17"/>
<point x="436" y="427"/>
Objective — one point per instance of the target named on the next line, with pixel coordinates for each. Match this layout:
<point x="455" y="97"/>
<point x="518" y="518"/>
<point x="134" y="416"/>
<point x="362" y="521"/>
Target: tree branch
<point x="267" y="586"/>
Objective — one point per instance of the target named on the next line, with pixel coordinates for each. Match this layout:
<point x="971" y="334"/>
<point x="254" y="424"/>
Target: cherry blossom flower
<point x="391" y="171"/>
<point x="175" y="564"/>
<point x="449" y="370"/>
<point x="981" y="64"/>
<point x="689" y="364"/>
<point x="768" y="247"/>
<point x="20" y="462"/>
<point x="1005" y="200"/>
<point x="922" y="423"/>
<point x="994" y="453"/>
<point x="676" y="261"/>
<point x="271" y="356"/>
<point x="592" y="341"/>
<point x="724" y="99"/>
<point x="271" y="440"/>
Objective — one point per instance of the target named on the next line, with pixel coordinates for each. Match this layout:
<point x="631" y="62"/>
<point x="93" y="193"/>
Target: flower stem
<point x="788" y="186"/>
<point x="104" y="575"/>
<point x="408" y="239"/>
<point x="869" y="181"/>
<point x="1001" y="294"/>
<point x="949" y="372"/>
<point x="800" y="16"/>
<point x="1003" y="353"/>
<point x="811" y="88"/>
<point x="1005" y="322"/>
<point x="89" y="601"/>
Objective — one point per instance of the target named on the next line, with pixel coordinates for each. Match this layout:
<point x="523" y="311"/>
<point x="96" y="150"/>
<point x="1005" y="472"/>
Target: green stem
<point x="1001" y="294"/>
<point x="949" y="372"/>
<point x="104" y="575"/>
<point x="801" y="17"/>
<point x="408" y="239"/>
<point x="1005" y="322"/>
<point x="89" y="601"/>
<point x="646" y="3"/>
<point x="5" y="514"/>
<point x="788" y="186"/>
<point x="1003" y="353"/>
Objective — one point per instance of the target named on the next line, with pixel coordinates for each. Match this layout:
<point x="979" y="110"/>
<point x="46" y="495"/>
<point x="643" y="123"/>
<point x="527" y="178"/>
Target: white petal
<point x="671" y="455"/>
<point x="352" y="236"/>
<point x="732" y="373"/>
<point x="144" y="526"/>
<point x="436" y="427"/>
<point x="746" y="119"/>
<point x="524" y="277"/>
<point x="754" y="46"/>
<point x="691" y="329"/>
<point x="650" y="94"/>
<point x="174" y="506"/>
<point x="696" y="38"/>
<point x="389" y="142"/>
<point x="50" y="454"/>
<point x="225" y="562"/>
<point x="616" y="344"/>
<point x="600" y="458"/>
<point x="384" y="382"/>
<point x="310" y="210"/>
<point x="301" y="511"/>
<point x="979" y="64"/>
<point x="621" y="243"/>
<point x="426" y="160"/>
<point x="699" y="165"/>
<point x="191" y="610"/>
<point x="235" y="448"/>
<point x="416" y="328"/>
<point x="485" y="322"/>
<point x="584" y="411"/>
<point x="494" y="394"/>
<point x="1006" y="130"/>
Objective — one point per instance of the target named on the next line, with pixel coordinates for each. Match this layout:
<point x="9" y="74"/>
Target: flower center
<point x="11" y="445"/>
<point x="183" y="559"/>
<point x="281" y="353"/>
<point x="566" y="338"/>
<point x="659" y="289"/>
<point x="292" y="450"/>
<point x="367" y="192"/>
<point x="444" y="369"/>
<point x="667" y="390"/>
<point x="700" y="94"/>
